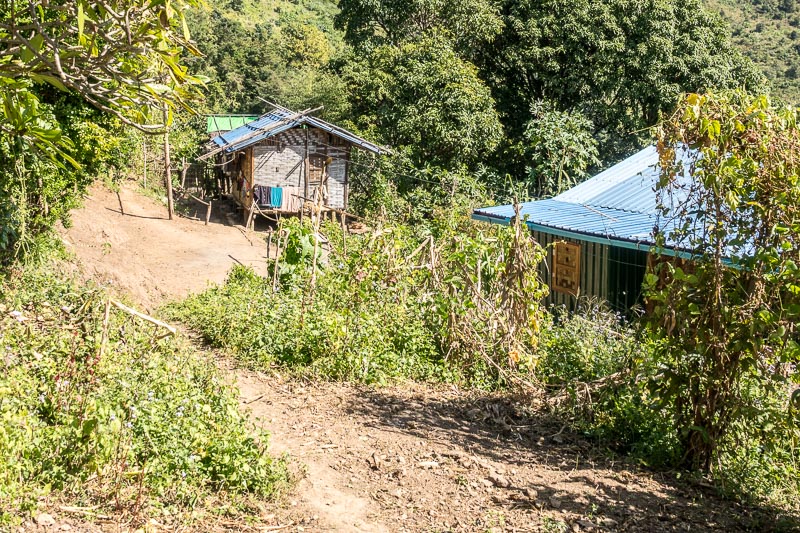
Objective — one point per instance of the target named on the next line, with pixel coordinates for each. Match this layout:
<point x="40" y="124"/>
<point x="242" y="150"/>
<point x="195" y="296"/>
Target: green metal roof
<point x="227" y="122"/>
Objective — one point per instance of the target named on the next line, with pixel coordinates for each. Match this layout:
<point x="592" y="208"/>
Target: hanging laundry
<point x="261" y="195"/>
<point x="275" y="197"/>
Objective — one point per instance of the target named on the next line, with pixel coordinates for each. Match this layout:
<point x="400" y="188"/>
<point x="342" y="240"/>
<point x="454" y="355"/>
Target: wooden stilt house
<point x="599" y="234"/>
<point x="283" y="159"/>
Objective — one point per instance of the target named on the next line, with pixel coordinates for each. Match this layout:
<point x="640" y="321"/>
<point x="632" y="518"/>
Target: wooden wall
<point x="278" y="162"/>
<point x="611" y="273"/>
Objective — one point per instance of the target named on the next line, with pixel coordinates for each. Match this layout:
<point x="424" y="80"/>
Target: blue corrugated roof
<point x="628" y="185"/>
<point x="617" y="206"/>
<point x="276" y="122"/>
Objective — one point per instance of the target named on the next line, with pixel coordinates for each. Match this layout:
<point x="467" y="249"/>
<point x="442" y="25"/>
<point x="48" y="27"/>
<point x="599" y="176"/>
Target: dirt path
<point x="143" y="254"/>
<point x="404" y="459"/>
<point x="417" y="459"/>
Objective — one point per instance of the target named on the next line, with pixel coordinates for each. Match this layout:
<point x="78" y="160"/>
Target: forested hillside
<point x="281" y="32"/>
<point x="529" y="96"/>
<point x="767" y="32"/>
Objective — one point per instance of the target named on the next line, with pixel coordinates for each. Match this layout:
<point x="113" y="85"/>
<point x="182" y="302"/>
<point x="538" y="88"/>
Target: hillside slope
<point x="768" y="32"/>
<point x="414" y="457"/>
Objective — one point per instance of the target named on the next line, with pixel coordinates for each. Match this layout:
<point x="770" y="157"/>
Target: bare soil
<point x="409" y="458"/>
<point x="141" y="253"/>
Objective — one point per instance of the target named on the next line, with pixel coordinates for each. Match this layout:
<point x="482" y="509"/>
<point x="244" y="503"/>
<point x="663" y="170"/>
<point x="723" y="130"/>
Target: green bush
<point x="125" y="417"/>
<point x="384" y="306"/>
<point x="596" y="361"/>
<point x="360" y="334"/>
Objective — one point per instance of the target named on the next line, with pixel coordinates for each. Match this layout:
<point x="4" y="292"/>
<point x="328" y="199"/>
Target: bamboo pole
<point x="144" y="154"/>
<point x="143" y="316"/>
<point x="168" y="170"/>
<point x="305" y="168"/>
<point x="184" y="168"/>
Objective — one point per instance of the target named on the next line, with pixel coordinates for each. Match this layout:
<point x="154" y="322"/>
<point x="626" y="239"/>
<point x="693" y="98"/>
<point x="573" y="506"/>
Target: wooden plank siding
<point x="610" y="273"/>
<point x="279" y="162"/>
<point x="593" y="271"/>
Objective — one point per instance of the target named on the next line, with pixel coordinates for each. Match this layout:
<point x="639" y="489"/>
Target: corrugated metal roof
<point x="617" y="206"/>
<point x="628" y="185"/>
<point x="216" y="123"/>
<point x="276" y="122"/>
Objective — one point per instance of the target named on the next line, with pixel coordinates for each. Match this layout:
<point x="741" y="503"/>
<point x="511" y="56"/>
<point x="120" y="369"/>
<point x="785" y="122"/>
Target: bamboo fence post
<point x="344" y="233"/>
<point x="144" y="154"/>
<point x="184" y="168"/>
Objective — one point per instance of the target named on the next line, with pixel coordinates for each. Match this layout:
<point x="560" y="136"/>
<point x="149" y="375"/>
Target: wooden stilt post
<point x="184" y="168"/>
<point x="251" y="215"/>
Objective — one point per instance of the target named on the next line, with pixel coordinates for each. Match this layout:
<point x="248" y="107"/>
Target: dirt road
<point x="409" y="458"/>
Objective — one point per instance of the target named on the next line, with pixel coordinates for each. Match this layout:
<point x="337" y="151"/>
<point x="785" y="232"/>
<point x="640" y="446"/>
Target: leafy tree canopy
<point x="422" y="95"/>
<point x="122" y="56"/>
<point x="620" y="62"/>
<point x="559" y="148"/>
<point x="369" y="23"/>
<point x="726" y="320"/>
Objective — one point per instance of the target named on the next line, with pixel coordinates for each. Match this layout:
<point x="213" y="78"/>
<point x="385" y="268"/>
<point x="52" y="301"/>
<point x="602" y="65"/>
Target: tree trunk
<point x="168" y="171"/>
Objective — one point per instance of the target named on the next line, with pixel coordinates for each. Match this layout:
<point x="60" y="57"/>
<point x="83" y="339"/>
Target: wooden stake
<point x="144" y="153"/>
<point x="104" y="339"/>
<point x="306" y="169"/>
<point x="344" y="234"/>
<point x="119" y="199"/>
<point x="184" y="168"/>
<point x="316" y="223"/>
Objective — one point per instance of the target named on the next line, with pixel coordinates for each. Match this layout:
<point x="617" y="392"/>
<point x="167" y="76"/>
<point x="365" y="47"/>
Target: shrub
<point x="595" y="361"/>
<point x="457" y="305"/>
<point x="122" y="416"/>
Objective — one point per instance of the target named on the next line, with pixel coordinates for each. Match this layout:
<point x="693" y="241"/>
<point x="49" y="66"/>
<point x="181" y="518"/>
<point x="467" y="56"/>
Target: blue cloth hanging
<point x="276" y="196"/>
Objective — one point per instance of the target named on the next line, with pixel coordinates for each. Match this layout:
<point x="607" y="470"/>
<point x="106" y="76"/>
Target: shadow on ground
<point x="566" y="473"/>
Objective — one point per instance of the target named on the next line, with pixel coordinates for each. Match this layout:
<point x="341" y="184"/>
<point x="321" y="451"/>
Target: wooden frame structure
<point x="276" y="164"/>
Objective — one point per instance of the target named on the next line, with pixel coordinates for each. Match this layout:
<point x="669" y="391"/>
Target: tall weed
<point x="457" y="304"/>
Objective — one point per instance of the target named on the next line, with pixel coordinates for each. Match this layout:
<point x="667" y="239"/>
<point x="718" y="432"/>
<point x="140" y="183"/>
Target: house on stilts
<point x="600" y="234"/>
<point x="277" y="163"/>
